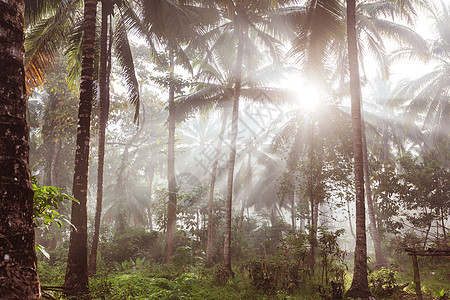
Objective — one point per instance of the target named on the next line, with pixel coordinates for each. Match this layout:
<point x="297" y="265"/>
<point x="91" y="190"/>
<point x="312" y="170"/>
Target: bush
<point x="284" y="271"/>
<point x="132" y="244"/>
<point x="383" y="282"/>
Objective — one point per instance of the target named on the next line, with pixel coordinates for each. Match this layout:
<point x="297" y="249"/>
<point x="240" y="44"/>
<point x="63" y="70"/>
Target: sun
<point x="308" y="94"/>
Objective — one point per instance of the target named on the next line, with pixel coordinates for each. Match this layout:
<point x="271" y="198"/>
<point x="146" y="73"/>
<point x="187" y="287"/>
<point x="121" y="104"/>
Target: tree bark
<point x="172" y="185"/>
<point x="104" y="111"/>
<point x="360" y="286"/>
<point x="209" y="246"/>
<point x="231" y="161"/>
<point x="248" y="190"/>
<point x="76" y="278"/>
<point x="150" y="188"/>
<point x="292" y="200"/>
<point x="19" y="279"/>
<point x="350" y="219"/>
<point x="380" y="260"/>
<point x="55" y="155"/>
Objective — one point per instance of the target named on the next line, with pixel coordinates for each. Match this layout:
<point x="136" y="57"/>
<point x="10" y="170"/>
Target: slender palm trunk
<point x="359" y="287"/>
<point x="234" y="131"/>
<point x="350" y="220"/>
<point x="313" y="201"/>
<point x="248" y="190"/>
<point x="104" y="111"/>
<point x="18" y="272"/>
<point x="151" y="176"/>
<point x="209" y="246"/>
<point x="77" y="270"/>
<point x="172" y="185"/>
<point x="55" y="156"/>
<point x="292" y="199"/>
<point x="379" y="256"/>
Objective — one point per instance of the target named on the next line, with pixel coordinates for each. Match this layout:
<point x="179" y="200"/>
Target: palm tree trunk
<point x="313" y="202"/>
<point x="360" y="286"/>
<point x="18" y="256"/>
<point x="209" y="245"/>
<point x="150" y="188"/>
<point x="77" y="270"/>
<point x="248" y="190"/>
<point x="292" y="198"/>
<point x="350" y="220"/>
<point x="379" y="256"/>
<point x="234" y="131"/>
<point x="104" y="111"/>
<point x="55" y="155"/>
<point x="172" y="206"/>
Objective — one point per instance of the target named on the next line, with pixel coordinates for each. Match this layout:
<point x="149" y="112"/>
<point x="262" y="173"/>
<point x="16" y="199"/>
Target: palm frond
<point x="44" y="41"/>
<point x="125" y="59"/>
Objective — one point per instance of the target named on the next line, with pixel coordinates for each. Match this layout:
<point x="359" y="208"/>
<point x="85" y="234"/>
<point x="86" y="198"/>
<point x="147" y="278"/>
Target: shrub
<point x="132" y="244"/>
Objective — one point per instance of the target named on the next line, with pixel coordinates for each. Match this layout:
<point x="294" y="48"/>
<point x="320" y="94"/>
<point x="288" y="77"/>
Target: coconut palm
<point x="18" y="271"/>
<point x="76" y="278"/>
<point x="244" y="18"/>
<point x="214" y="87"/>
<point x="173" y="23"/>
<point x="360" y="286"/>
<point x="312" y="45"/>
<point x="426" y="99"/>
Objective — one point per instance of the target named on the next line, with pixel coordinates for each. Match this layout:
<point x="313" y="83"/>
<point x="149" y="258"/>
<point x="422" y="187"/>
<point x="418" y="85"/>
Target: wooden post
<point x="416" y="277"/>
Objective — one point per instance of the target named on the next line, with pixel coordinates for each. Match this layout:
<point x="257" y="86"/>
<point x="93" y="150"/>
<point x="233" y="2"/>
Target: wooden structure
<point x="420" y="252"/>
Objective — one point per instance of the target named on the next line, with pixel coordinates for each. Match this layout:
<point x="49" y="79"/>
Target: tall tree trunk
<point x="172" y="185"/>
<point x="292" y="199"/>
<point x="55" y="155"/>
<point x="104" y="111"/>
<point x="380" y="260"/>
<point x="234" y="131"/>
<point x="77" y="270"/>
<point x="209" y="246"/>
<point x="18" y="272"/>
<point x="350" y="219"/>
<point x="248" y="190"/>
<point x="313" y="201"/>
<point x="301" y="200"/>
<point x="150" y="188"/>
<point x="360" y="286"/>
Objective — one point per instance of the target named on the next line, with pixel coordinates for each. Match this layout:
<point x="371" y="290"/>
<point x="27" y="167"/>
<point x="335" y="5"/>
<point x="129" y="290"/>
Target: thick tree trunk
<point x="104" y="111"/>
<point x="231" y="162"/>
<point x="380" y="260"/>
<point x="77" y="270"/>
<point x="18" y="272"/>
<point x="172" y="185"/>
<point x="209" y="246"/>
<point x="359" y="287"/>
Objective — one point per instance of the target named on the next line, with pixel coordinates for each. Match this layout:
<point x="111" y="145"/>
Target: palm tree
<point x="173" y="23"/>
<point x="360" y="286"/>
<point x="76" y="279"/>
<point x="244" y="17"/>
<point x="118" y="39"/>
<point x="18" y="271"/>
<point x="426" y="99"/>
<point x="209" y="246"/>
<point x="104" y="111"/>
<point x="49" y="35"/>
<point x="215" y="87"/>
<point x="311" y="46"/>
